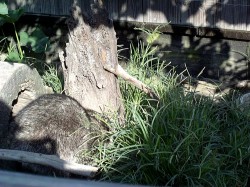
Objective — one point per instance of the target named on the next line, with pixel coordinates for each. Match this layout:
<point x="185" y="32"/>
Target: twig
<point x="48" y="160"/>
<point x="120" y="72"/>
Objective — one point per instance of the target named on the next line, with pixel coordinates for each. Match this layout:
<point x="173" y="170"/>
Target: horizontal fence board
<point x="153" y="13"/>
<point x="209" y="14"/>
<point x="196" y="12"/>
<point x="227" y="15"/>
<point x="224" y="14"/>
<point x="248" y="18"/>
<point x="240" y="16"/>
<point x="113" y="8"/>
<point x="131" y="10"/>
<point x="173" y="12"/>
<point x="122" y="10"/>
<point x="135" y="11"/>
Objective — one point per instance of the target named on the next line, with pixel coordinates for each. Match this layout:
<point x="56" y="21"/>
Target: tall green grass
<point x="185" y="140"/>
<point x="52" y="79"/>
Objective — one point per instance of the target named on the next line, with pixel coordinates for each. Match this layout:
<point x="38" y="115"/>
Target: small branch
<point x="119" y="71"/>
<point x="48" y="160"/>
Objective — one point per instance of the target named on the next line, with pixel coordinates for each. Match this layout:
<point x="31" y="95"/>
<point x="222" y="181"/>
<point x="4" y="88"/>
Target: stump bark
<point x="92" y="46"/>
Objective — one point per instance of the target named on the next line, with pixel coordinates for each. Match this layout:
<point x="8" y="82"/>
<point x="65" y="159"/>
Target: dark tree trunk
<point x="92" y="46"/>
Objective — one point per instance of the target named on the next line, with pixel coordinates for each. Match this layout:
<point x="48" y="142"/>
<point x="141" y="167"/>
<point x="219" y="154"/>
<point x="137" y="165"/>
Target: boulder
<point x="19" y="84"/>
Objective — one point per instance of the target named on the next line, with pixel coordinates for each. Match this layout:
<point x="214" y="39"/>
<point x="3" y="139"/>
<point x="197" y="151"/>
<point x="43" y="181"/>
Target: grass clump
<point x="185" y="139"/>
<point x="51" y="78"/>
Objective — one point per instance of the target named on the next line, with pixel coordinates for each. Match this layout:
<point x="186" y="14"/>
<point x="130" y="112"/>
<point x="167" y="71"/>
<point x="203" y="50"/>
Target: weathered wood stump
<point x="92" y="46"/>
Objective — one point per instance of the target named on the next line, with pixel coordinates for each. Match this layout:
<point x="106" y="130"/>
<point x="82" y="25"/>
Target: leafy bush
<point x="35" y="41"/>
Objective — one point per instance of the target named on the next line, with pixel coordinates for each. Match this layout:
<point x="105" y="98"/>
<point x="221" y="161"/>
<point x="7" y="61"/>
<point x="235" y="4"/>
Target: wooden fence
<point x="223" y="14"/>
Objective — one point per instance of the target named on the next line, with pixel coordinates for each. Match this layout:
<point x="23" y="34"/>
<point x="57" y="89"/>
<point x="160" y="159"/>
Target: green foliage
<point x="152" y="34"/>
<point x="12" y="51"/>
<point x="52" y="79"/>
<point x="36" y="41"/>
<point x="185" y="140"/>
<point x="9" y="16"/>
<point x="3" y="8"/>
<point x="24" y="43"/>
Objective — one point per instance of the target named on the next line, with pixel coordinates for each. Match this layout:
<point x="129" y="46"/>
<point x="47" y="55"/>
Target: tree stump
<point x="92" y="46"/>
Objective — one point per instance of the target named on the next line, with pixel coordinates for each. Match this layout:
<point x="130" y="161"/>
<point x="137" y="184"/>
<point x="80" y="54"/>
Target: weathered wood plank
<point x="39" y="7"/>
<point x="172" y="11"/>
<point x="66" y="7"/>
<point x="155" y="11"/>
<point x="248" y="17"/>
<point x="134" y="10"/>
<point x="210" y="8"/>
<point x="13" y="179"/>
<point x="217" y="17"/>
<point x="146" y="5"/>
<point x="113" y="9"/>
<point x="198" y="14"/>
<point x="185" y="18"/>
<point x="229" y="14"/>
<point x="47" y="7"/>
<point x="53" y="6"/>
<point x="48" y="160"/>
<point x="130" y="10"/>
<point x="206" y="11"/>
<point x="240" y="16"/>
<point x="122" y="9"/>
<point x="85" y="5"/>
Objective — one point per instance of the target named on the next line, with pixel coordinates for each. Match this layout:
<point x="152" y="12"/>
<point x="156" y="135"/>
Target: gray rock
<point x="15" y="79"/>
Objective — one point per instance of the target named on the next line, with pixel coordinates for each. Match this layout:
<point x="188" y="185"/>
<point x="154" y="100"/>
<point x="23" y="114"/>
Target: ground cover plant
<point x="23" y="42"/>
<point x="27" y="47"/>
<point x="184" y="140"/>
